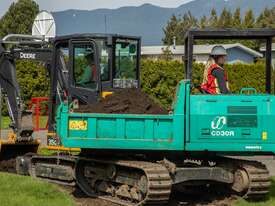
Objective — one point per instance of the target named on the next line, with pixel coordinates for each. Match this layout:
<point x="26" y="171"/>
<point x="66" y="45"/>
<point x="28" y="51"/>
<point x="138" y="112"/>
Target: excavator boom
<point x="20" y="140"/>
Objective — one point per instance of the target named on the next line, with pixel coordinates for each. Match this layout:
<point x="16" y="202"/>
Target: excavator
<point x="138" y="159"/>
<point x="20" y="140"/>
<point x="58" y="57"/>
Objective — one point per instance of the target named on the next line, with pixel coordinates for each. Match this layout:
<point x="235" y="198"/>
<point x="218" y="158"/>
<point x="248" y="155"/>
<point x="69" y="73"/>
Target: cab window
<point x="85" y="71"/>
<point x="126" y="59"/>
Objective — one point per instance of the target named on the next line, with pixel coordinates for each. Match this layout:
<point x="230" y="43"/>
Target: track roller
<point x="252" y="180"/>
<point x="124" y="182"/>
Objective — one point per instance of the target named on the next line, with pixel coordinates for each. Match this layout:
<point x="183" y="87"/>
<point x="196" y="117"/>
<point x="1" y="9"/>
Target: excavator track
<point x="55" y="169"/>
<point x="126" y="182"/>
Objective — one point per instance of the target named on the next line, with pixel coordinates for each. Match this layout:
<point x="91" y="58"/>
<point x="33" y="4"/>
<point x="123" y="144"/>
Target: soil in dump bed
<point x="126" y="101"/>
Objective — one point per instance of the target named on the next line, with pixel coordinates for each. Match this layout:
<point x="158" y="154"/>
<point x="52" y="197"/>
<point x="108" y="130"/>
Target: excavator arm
<point x="10" y="87"/>
<point x="21" y="119"/>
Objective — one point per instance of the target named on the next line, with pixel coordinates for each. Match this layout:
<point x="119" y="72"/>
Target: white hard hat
<point x="218" y="51"/>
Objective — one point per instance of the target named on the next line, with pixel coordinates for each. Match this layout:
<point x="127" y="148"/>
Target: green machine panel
<point x="232" y="122"/>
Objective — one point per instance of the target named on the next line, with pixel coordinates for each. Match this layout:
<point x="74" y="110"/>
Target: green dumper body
<point x="225" y="124"/>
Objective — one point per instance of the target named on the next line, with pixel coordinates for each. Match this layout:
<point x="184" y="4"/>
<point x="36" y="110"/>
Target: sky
<point x="59" y="5"/>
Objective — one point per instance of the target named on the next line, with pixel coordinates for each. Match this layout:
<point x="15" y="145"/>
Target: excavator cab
<point x="86" y="67"/>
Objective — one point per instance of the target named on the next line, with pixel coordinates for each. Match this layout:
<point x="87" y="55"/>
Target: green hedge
<point x="160" y="78"/>
<point x="33" y="79"/>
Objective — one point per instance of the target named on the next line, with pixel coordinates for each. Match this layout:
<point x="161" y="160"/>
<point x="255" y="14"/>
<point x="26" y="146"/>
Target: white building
<point x="236" y="52"/>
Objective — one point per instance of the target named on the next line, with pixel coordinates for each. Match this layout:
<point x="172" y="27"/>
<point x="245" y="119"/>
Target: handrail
<point x="23" y="36"/>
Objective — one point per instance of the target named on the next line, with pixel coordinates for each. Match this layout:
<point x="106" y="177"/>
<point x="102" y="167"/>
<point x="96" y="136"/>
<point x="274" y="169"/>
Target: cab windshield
<point x="126" y="62"/>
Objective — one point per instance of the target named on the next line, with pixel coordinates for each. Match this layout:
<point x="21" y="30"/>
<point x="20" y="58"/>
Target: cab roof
<point x="94" y="35"/>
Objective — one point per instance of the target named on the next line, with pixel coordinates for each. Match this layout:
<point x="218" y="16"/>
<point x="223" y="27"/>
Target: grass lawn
<point x="21" y="190"/>
<point x="270" y="200"/>
<point x="5" y="122"/>
<point x="47" y="152"/>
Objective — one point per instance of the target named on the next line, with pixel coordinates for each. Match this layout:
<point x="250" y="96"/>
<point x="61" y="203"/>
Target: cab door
<point x="84" y="72"/>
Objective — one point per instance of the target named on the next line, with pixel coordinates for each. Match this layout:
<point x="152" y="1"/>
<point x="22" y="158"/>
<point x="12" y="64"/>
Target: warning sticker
<point x="78" y="125"/>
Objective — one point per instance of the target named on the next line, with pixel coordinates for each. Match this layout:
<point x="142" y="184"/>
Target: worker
<point x="215" y="80"/>
<point x="88" y="77"/>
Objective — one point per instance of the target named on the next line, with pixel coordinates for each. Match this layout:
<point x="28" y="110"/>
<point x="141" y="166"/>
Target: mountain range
<point x="146" y="20"/>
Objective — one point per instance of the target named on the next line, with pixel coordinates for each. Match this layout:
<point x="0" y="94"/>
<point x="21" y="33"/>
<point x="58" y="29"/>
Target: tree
<point x="237" y="19"/>
<point x="188" y="21"/>
<point x="170" y="30"/>
<point x="225" y="19"/>
<point x="213" y="21"/>
<point x="166" y="54"/>
<point x="204" y="22"/>
<point x="249" y="19"/>
<point x="266" y="18"/>
<point x="19" y="18"/>
<point x="177" y="27"/>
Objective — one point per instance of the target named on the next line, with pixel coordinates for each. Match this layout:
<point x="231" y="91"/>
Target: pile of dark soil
<point x="126" y="101"/>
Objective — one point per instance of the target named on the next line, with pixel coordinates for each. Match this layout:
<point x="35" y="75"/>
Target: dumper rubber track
<point x="251" y="178"/>
<point x="259" y="179"/>
<point x="124" y="182"/>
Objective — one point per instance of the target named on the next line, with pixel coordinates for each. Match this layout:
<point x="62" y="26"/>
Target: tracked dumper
<point x="135" y="159"/>
<point x="147" y="156"/>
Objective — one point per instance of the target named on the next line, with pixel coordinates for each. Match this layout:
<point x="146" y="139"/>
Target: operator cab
<point x="95" y="63"/>
<point x="86" y="67"/>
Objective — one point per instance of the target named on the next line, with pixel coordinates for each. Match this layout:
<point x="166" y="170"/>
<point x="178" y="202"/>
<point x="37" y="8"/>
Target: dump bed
<point x="217" y="123"/>
<point x="123" y="131"/>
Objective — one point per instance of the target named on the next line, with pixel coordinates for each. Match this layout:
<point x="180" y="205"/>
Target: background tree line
<point x="177" y="26"/>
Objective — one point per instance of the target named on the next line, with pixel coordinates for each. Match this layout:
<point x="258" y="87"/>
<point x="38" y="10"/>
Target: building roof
<point x="198" y="49"/>
<point x="264" y="48"/>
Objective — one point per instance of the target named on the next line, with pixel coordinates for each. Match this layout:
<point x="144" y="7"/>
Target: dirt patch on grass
<point x="198" y="201"/>
<point x="83" y="200"/>
<point x="206" y="198"/>
<point x="127" y="101"/>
